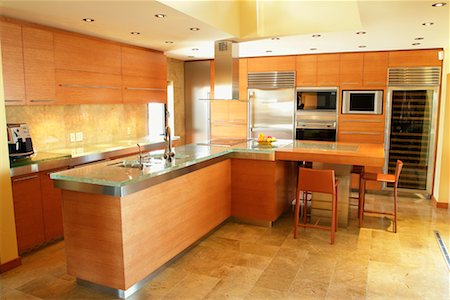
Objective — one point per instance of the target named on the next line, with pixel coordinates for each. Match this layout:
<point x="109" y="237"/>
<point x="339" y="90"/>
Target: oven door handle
<point x="301" y="125"/>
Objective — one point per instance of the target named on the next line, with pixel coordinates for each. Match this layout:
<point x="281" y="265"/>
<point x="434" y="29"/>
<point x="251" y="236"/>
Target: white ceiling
<point x="390" y="25"/>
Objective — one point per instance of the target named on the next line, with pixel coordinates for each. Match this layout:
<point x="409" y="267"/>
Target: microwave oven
<point x="362" y="102"/>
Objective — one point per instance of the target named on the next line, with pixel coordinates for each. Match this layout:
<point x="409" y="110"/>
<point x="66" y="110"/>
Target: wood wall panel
<point x="243" y="80"/>
<point x="375" y="69"/>
<point x="351" y="70"/>
<point x="328" y="68"/>
<point x="306" y="68"/>
<point x="414" y="58"/>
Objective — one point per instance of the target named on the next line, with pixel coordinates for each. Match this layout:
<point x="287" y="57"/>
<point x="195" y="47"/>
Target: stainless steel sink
<point x="136" y="164"/>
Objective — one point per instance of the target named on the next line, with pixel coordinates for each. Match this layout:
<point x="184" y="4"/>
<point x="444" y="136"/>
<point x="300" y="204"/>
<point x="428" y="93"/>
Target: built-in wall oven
<point x="316" y="116"/>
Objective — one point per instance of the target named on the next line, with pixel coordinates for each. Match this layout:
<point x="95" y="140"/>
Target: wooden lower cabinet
<point x="261" y="190"/>
<point x="28" y="211"/>
<point x="37" y="210"/>
<point x="51" y="207"/>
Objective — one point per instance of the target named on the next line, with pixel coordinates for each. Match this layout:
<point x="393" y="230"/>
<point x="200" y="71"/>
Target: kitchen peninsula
<point x="122" y="222"/>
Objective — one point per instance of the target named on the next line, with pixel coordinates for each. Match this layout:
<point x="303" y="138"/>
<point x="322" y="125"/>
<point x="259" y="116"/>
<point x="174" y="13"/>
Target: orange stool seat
<point x="320" y="181"/>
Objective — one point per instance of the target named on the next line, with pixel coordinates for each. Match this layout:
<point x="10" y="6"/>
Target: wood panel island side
<point x="122" y="223"/>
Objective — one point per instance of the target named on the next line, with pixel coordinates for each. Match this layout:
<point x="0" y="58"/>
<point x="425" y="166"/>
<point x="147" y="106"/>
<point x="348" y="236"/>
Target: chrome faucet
<point x="168" y="152"/>
<point x="141" y="163"/>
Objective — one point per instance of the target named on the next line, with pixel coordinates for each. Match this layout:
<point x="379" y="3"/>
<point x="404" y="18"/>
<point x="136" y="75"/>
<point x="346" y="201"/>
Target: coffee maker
<point x="19" y="140"/>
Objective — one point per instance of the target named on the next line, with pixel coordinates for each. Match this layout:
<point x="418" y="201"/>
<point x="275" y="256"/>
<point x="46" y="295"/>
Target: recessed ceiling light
<point x="362" y="46"/>
<point x="438" y="4"/>
<point x="88" y="20"/>
<point x="194" y="29"/>
<point x="415" y="44"/>
<point x="194" y="49"/>
<point x="160" y="15"/>
<point x="361" y="32"/>
<point x="135" y="33"/>
<point x="168" y="42"/>
<point x="427" y="23"/>
<point x="316" y="35"/>
<point x="312" y="49"/>
<point x="268" y="51"/>
<point x="275" y="38"/>
<point x="418" y="38"/>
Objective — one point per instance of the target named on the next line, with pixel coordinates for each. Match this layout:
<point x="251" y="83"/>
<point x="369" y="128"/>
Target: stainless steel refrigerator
<point x="412" y="110"/>
<point x="272" y="104"/>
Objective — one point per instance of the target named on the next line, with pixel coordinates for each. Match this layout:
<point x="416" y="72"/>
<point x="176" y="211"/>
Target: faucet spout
<point x="168" y="153"/>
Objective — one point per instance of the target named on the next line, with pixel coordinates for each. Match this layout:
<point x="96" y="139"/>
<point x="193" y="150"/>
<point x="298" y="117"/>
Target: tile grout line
<point x="443" y="248"/>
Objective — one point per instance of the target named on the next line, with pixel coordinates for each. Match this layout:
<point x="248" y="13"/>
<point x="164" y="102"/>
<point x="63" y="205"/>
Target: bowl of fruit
<point x="265" y="140"/>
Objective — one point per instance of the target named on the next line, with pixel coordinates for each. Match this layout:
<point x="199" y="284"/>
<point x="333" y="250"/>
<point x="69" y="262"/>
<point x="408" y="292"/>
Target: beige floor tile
<point x="10" y="294"/>
<point x="47" y="287"/>
<point x="193" y="286"/>
<point x="258" y="249"/>
<point x="309" y="288"/>
<point x="263" y="293"/>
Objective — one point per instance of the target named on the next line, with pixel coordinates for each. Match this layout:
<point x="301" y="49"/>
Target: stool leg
<point x="333" y="218"/>
<point x="305" y="206"/>
<point x="297" y="212"/>
<point x="360" y="192"/>
<point x="362" y="201"/>
<point x="395" y="209"/>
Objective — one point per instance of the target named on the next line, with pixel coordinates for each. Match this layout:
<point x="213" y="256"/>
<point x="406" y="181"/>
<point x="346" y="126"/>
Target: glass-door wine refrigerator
<point x="411" y="121"/>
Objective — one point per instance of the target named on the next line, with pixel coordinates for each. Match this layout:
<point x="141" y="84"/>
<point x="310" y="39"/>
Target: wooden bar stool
<point x="359" y="170"/>
<point x="380" y="177"/>
<point x="320" y="181"/>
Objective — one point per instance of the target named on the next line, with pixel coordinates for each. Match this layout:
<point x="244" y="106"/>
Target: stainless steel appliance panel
<point x="362" y="102"/>
<point x="317" y="99"/>
<point x="272" y="112"/>
<point x="197" y="87"/>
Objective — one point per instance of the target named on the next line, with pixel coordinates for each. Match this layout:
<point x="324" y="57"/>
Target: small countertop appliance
<point x="19" y="140"/>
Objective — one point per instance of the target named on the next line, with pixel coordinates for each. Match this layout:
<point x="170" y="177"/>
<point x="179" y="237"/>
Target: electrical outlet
<point x="72" y="137"/>
<point x="79" y="136"/>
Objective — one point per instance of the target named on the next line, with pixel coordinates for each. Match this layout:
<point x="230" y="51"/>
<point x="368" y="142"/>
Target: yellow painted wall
<point x="444" y="174"/>
<point x="8" y="241"/>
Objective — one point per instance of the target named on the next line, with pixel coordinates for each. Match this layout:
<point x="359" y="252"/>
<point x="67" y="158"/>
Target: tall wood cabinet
<point x="39" y="65"/>
<point x="12" y="58"/>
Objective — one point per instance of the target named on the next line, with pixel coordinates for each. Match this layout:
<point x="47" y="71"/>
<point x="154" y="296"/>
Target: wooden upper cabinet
<point x="243" y="80"/>
<point x="306" y="69"/>
<point x="77" y="53"/>
<point x="328" y="69"/>
<point x="271" y="64"/>
<point x="351" y="70"/>
<point x="12" y="58"/>
<point x="415" y="58"/>
<point x="39" y="66"/>
<point x="144" y="75"/>
<point x="375" y="69"/>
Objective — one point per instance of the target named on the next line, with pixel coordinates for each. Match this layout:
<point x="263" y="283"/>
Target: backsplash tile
<point x="50" y="126"/>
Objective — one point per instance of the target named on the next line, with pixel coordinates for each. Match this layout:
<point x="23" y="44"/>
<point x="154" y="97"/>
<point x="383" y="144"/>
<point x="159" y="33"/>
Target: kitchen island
<point x="122" y="222"/>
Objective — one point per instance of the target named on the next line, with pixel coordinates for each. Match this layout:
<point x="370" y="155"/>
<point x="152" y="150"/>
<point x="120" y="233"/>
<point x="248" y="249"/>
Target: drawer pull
<point x="374" y="82"/>
<point x="25" y="178"/>
<point x="10" y="100"/>
<point x="363" y="121"/>
<point x="143" y="89"/>
<point x="90" y="86"/>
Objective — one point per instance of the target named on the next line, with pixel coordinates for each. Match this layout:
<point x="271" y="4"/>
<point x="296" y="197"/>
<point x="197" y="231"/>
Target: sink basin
<point x="135" y="163"/>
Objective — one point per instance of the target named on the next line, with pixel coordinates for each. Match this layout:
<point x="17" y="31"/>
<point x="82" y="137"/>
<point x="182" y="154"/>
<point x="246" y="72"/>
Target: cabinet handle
<point x="374" y="82"/>
<point x="351" y="83"/>
<point x="90" y="86"/>
<point x="9" y="100"/>
<point x="25" y="178"/>
<point x="360" y="132"/>
<point x="41" y="100"/>
<point x="363" y="121"/>
<point x="143" y="89"/>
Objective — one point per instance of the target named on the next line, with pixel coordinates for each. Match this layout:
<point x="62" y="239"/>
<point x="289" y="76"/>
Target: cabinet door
<point x="28" y="211"/>
<point x="375" y="69"/>
<point x="351" y="72"/>
<point x="414" y="58"/>
<point x="77" y="53"/>
<point x="78" y="87"/>
<point x="12" y="57"/>
<point x="144" y="75"/>
<point x="51" y="207"/>
<point x="328" y="69"/>
<point x="306" y="67"/>
<point x="39" y="66"/>
<point x="243" y="84"/>
<point x="271" y="64"/>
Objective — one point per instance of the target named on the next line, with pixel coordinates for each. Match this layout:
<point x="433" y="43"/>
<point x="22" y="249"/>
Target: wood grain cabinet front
<point x="39" y="66"/>
<point x="51" y="207"/>
<point x="144" y="75"/>
<point x="306" y="69"/>
<point x="328" y="68"/>
<point x="271" y="64"/>
<point x="375" y="69"/>
<point x="28" y="211"/>
<point x="351" y="70"/>
<point x="12" y="60"/>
